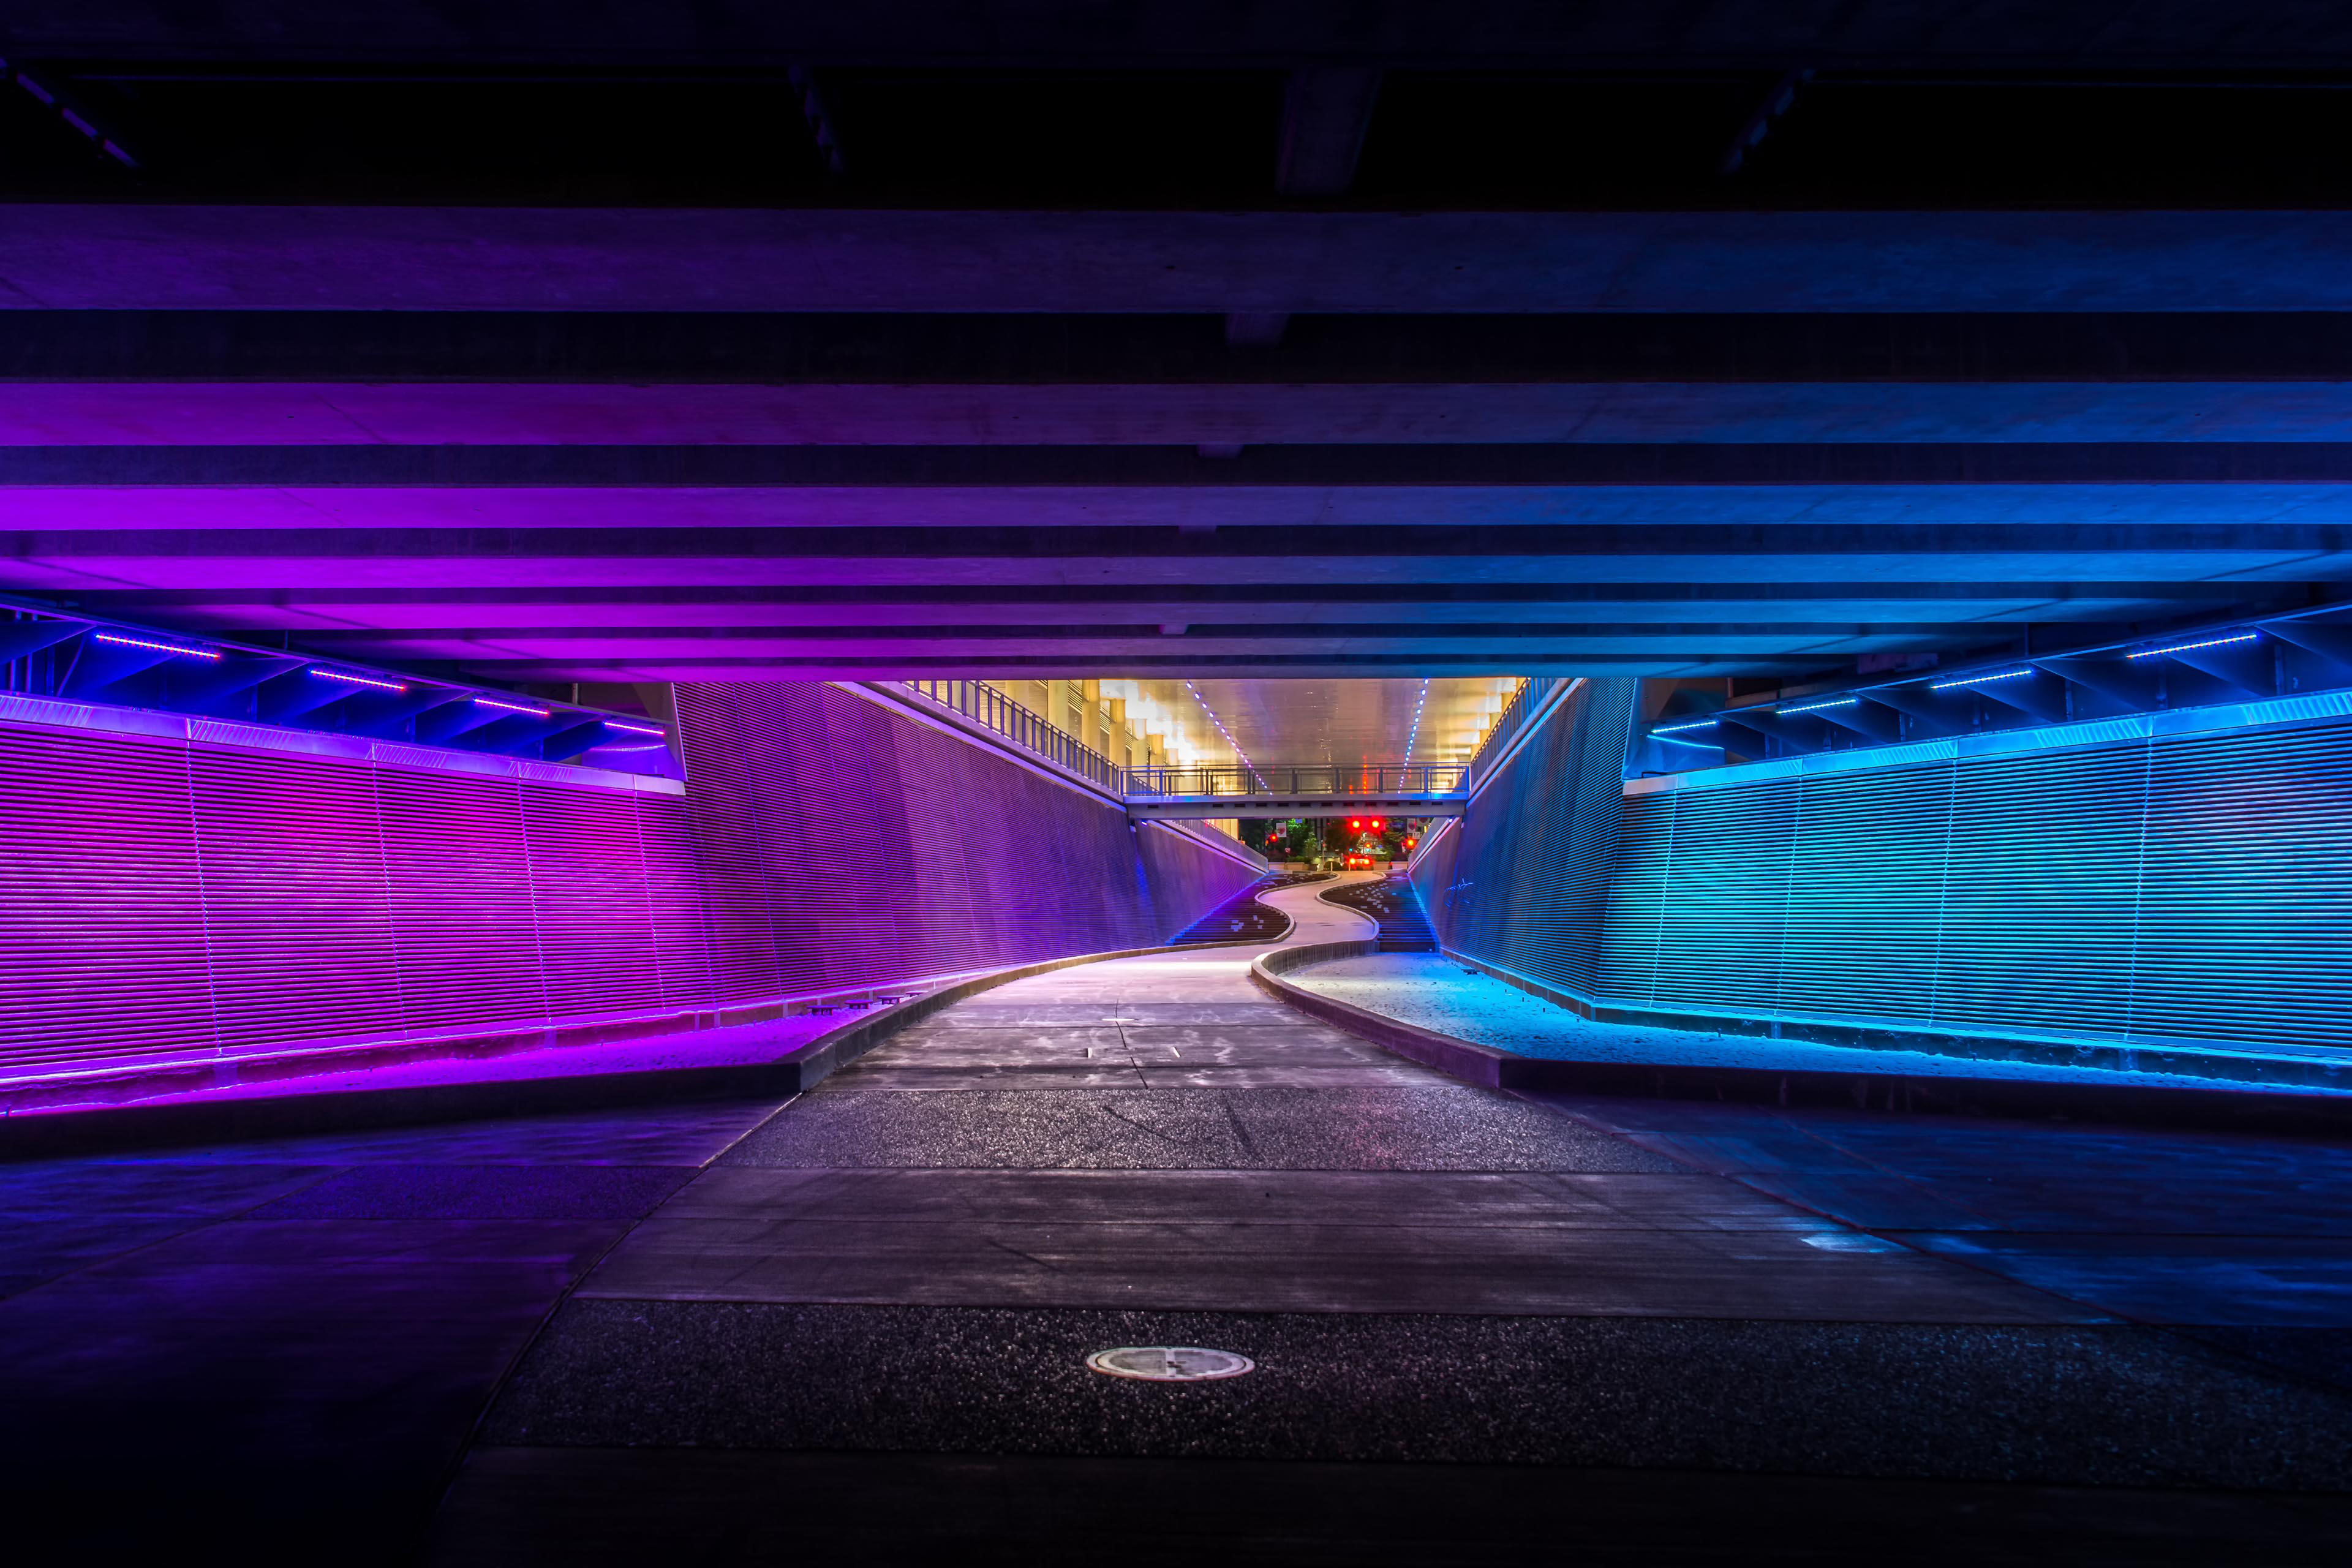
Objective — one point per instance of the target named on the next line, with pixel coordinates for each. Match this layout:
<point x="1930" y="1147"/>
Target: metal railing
<point x="986" y="706"/>
<point x="1282" y="782"/>
<point x="1523" y="701"/>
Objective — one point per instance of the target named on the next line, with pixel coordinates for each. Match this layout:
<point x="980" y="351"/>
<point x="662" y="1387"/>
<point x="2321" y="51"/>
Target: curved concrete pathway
<point x="915" y="1258"/>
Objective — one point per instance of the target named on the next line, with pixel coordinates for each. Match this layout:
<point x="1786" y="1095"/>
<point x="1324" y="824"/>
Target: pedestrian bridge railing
<point x="1417" y="789"/>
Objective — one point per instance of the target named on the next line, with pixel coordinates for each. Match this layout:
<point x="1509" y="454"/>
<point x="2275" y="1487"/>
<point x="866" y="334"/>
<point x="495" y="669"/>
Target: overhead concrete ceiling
<point x="1309" y="360"/>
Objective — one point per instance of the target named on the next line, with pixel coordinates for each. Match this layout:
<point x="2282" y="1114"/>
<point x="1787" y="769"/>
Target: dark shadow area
<point x="1242" y="918"/>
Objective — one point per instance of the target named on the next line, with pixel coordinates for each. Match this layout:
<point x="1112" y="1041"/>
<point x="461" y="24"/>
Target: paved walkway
<point x="910" y="1263"/>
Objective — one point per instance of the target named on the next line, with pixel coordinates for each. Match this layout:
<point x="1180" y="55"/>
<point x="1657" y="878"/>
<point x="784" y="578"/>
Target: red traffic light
<point x="1353" y="822"/>
<point x="1376" y="825"/>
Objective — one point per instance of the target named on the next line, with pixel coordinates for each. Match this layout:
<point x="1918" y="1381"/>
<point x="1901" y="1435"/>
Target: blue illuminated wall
<point x="1523" y="881"/>
<point x="2180" y="879"/>
<point x="2193" y="888"/>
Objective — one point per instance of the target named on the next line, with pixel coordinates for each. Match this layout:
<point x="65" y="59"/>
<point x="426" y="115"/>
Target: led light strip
<point x="1980" y="679"/>
<point x="1818" y="707"/>
<point x="1414" y="739"/>
<point x="1236" y="745"/>
<point x="119" y="640"/>
<point x="635" y="729"/>
<point x="509" y="707"/>
<point x="1677" y="729"/>
<point x="359" y="679"/>
<point x="2185" y="647"/>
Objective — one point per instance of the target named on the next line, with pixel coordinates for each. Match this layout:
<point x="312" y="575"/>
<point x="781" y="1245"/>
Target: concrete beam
<point x="1122" y="644"/>
<point x="1042" y="668"/>
<point x="836" y="349"/>
<point x="327" y="413"/>
<point x="328" y="622"/>
<point x="243" y="561"/>
<point x="67" y="257"/>
<point x="1215" y="521"/>
<point x="1170" y="34"/>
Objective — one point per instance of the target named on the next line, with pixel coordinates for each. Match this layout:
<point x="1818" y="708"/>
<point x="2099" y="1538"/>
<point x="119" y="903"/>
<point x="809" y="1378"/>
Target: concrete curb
<point x="2188" y="1106"/>
<point x="43" y="1133"/>
<point x="1481" y="1065"/>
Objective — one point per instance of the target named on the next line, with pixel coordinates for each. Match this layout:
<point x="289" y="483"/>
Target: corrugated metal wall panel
<point x="2196" y="888"/>
<point x="1719" y="936"/>
<point x="1862" y="892"/>
<point x="2039" y="888"/>
<point x="1432" y="872"/>
<point x="2245" y="906"/>
<point x="1633" y="918"/>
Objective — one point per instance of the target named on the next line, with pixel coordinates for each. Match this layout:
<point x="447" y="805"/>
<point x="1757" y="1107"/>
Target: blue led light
<point x="1982" y="679"/>
<point x="1676" y="729"/>
<point x="2185" y="647"/>
<point x="1817" y="707"/>
<point x="1236" y="745"/>
<point x="1414" y="739"/>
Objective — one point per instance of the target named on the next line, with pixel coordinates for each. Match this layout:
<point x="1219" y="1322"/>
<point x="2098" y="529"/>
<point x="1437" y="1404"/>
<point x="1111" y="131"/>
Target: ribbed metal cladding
<point x="1524" y="881"/>
<point x="843" y="845"/>
<point x="2187" y="889"/>
<point x="161" y="899"/>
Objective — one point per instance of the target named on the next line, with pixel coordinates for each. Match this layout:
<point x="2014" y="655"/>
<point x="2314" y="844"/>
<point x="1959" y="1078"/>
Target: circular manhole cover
<point x="1169" y="1363"/>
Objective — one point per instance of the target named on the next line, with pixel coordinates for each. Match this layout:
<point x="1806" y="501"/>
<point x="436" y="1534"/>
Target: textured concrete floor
<point x="913" y="1261"/>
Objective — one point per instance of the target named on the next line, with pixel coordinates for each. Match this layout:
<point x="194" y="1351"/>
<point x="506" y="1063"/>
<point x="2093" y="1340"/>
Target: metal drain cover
<point x="1169" y="1363"/>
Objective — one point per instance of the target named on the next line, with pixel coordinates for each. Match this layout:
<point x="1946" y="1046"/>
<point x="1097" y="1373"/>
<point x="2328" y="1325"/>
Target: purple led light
<point x="359" y="679"/>
<point x="509" y="707"/>
<point x="635" y="729"/>
<point x="121" y="641"/>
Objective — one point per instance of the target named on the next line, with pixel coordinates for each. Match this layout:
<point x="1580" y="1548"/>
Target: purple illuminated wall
<point x="161" y="899"/>
<point x="163" y="895"/>
<point x="844" y="845"/>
